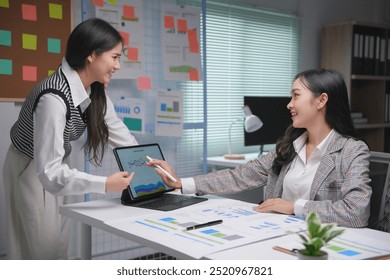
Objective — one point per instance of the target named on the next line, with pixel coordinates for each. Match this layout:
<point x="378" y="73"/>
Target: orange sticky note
<point x="29" y="73"/>
<point x="29" y="12"/>
<point x="132" y="54"/>
<point x="194" y="75"/>
<point x="169" y="22"/>
<point x="144" y="83"/>
<point x="126" y="37"/>
<point x="182" y="25"/>
<point x="193" y="41"/>
<point x="128" y="12"/>
<point x="98" y="3"/>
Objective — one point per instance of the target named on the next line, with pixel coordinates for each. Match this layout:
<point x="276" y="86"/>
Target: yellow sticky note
<point x="55" y="11"/>
<point x="4" y="3"/>
<point x="29" y="41"/>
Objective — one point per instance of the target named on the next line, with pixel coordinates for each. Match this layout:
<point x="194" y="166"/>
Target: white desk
<point x="214" y="162"/>
<point x="103" y="214"/>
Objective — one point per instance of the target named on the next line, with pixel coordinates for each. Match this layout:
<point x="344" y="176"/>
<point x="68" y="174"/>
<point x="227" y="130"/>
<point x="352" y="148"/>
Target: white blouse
<point x="52" y="171"/>
<point x="298" y="180"/>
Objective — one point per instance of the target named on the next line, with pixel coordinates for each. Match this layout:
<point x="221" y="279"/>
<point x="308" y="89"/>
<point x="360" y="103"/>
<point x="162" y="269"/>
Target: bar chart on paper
<point x="241" y="225"/>
<point x="169" y="115"/>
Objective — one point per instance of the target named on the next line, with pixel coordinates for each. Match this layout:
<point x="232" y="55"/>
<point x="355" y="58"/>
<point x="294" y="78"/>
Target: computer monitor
<point x="275" y="117"/>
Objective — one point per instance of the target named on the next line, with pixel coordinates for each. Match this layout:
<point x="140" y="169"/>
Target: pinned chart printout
<point x="241" y="225"/>
<point x="132" y="112"/>
<point x="127" y="16"/>
<point x="180" y="43"/>
<point x="169" y="113"/>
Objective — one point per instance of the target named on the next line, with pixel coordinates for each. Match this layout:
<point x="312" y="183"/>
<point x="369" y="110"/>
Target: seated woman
<point x="319" y="165"/>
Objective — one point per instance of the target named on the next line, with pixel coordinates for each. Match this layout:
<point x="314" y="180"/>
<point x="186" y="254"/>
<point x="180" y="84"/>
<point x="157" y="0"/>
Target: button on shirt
<point x="298" y="180"/>
<point x="52" y="171"/>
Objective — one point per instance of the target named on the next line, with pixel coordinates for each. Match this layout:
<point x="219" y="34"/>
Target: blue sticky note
<point x="5" y="67"/>
<point x="5" y="38"/>
<point x="53" y="45"/>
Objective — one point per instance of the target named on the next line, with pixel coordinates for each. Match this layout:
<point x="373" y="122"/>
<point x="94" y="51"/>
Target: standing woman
<point x="56" y="112"/>
<point x="319" y="165"/>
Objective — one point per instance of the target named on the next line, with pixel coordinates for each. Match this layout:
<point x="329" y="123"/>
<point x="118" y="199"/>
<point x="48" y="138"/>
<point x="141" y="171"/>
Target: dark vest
<point x="22" y="132"/>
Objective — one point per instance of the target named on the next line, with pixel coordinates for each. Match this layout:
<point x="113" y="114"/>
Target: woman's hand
<point x="117" y="182"/>
<point x="165" y="165"/>
<point x="276" y="205"/>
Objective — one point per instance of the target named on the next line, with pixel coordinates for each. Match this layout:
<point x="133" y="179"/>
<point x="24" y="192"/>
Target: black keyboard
<point x="169" y="202"/>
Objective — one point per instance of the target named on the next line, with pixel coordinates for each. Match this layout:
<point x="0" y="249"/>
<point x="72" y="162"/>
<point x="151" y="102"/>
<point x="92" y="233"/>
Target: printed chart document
<point x="241" y="225"/>
<point x="351" y="245"/>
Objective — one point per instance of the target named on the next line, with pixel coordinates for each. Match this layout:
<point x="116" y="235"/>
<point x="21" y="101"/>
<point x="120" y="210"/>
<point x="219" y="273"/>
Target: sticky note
<point x="55" y="11"/>
<point x="194" y="75"/>
<point x="193" y="41"/>
<point x="98" y="3"/>
<point x="49" y="72"/>
<point x="144" y="83"/>
<point x="128" y="12"/>
<point x="112" y="2"/>
<point x="5" y="67"/>
<point x="132" y="54"/>
<point x="53" y="45"/>
<point x="126" y="37"/>
<point x="29" y="41"/>
<point x="182" y="25"/>
<point x="4" y="3"/>
<point x="5" y="38"/>
<point x="29" y="73"/>
<point x="169" y="22"/>
<point x="29" y="12"/>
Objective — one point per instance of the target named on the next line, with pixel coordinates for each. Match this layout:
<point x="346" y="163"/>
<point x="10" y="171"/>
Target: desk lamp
<point x="251" y="124"/>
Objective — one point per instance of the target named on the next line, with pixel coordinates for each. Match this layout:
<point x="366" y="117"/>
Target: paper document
<point x="351" y="245"/>
<point x="241" y="225"/>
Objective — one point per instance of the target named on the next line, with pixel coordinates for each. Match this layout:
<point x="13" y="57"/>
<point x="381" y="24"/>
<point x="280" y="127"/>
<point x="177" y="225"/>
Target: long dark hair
<point x="337" y="112"/>
<point x="93" y="35"/>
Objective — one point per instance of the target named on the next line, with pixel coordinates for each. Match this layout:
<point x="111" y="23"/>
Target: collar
<point x="77" y="90"/>
<point x="300" y="142"/>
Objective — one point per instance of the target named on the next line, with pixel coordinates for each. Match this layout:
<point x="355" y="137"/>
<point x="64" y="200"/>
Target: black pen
<point x="212" y="223"/>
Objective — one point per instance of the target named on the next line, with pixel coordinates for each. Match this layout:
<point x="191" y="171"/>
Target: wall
<point x="314" y="14"/>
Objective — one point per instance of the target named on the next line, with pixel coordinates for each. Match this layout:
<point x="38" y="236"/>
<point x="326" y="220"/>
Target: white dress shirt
<point x="298" y="180"/>
<point x="49" y="125"/>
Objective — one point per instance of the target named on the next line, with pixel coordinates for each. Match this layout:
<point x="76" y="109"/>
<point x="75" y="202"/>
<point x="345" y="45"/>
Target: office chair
<point x="380" y="184"/>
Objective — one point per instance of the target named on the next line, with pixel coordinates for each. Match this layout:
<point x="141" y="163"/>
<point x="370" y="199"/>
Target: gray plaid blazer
<point x="340" y="192"/>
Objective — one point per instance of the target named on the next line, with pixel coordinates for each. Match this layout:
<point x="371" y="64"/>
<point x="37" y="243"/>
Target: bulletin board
<point x="33" y="37"/>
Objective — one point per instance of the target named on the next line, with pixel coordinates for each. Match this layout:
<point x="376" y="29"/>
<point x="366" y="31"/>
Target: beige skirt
<point x="35" y="230"/>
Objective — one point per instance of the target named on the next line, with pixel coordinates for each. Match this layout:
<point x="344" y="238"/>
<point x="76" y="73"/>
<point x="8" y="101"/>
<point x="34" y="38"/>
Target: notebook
<point x="147" y="189"/>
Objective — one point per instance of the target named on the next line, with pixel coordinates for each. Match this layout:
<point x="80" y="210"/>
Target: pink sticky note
<point x="29" y="73"/>
<point x="132" y="54"/>
<point x="194" y="75"/>
<point x="98" y="3"/>
<point x="29" y="12"/>
<point x="126" y="37"/>
<point x="128" y="12"/>
<point x="144" y="83"/>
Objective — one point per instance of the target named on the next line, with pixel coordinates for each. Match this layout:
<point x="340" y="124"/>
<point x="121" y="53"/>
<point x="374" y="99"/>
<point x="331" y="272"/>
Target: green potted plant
<point x="316" y="237"/>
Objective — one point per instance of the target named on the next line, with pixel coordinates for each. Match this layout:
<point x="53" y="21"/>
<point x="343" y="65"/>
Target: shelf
<point x="371" y="125"/>
<point x="370" y="77"/>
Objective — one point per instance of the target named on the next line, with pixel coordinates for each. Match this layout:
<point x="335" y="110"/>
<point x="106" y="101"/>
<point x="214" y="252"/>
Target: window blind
<point x="250" y="51"/>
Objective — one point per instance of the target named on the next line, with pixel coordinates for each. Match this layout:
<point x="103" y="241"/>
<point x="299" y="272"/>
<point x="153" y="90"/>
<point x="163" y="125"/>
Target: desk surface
<point x="231" y="163"/>
<point x="109" y="215"/>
